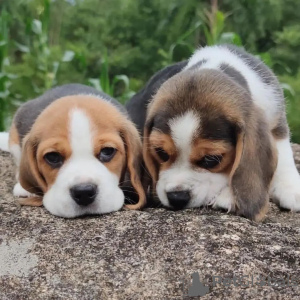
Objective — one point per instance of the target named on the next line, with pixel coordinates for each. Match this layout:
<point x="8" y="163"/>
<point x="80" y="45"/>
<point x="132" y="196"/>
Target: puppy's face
<point x="193" y="167"/>
<point x="77" y="154"/>
<point x="194" y="139"/>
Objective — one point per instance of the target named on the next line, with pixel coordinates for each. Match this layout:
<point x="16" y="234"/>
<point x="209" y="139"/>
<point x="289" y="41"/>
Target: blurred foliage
<point x="48" y="42"/>
<point x="292" y="93"/>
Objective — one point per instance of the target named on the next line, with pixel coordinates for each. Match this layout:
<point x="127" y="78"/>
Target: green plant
<point x="118" y="87"/>
<point x="141" y="37"/>
<point x="291" y="88"/>
<point x="41" y="59"/>
<point x="214" y="26"/>
<point x="212" y="23"/>
<point x="39" y="51"/>
<point x="5" y="77"/>
<point x="181" y="48"/>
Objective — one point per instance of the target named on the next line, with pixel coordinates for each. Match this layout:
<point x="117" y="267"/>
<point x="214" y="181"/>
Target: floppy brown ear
<point x="31" y="201"/>
<point x="151" y="165"/>
<point x="133" y="148"/>
<point x="30" y="178"/>
<point x="253" y="169"/>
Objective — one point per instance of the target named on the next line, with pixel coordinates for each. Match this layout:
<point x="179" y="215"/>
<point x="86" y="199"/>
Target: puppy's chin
<point x="204" y="187"/>
<point x="64" y="206"/>
<point x="58" y="201"/>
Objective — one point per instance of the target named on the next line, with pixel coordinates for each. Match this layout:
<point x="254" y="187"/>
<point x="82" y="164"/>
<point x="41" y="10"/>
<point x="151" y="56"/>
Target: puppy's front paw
<point x="19" y="191"/>
<point x="286" y="193"/>
<point x="223" y="200"/>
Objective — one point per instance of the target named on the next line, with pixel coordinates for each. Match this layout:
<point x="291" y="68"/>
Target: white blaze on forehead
<point x="183" y="129"/>
<point x="80" y="133"/>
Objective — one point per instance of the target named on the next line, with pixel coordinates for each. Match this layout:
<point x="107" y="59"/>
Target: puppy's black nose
<point x="84" y="194"/>
<point x="179" y="199"/>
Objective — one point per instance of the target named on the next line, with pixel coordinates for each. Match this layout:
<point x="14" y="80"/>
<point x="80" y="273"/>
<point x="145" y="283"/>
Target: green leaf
<point x="266" y="58"/>
<point x="230" y="38"/>
<point x="95" y="83"/>
<point x="22" y="48"/>
<point x="288" y="88"/>
<point x="68" y="56"/>
<point x="104" y="76"/>
<point x="36" y="26"/>
<point x="208" y="36"/>
<point x="122" y="78"/>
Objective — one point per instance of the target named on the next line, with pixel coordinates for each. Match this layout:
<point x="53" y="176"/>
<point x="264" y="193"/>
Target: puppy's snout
<point x="179" y="199"/>
<point x="84" y="194"/>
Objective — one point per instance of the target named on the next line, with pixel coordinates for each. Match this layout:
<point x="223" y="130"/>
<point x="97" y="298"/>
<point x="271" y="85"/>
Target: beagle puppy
<point x="215" y="133"/>
<point x="73" y="147"/>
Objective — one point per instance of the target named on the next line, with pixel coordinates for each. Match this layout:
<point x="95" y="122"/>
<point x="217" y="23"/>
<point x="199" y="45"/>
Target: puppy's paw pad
<point x="19" y="191"/>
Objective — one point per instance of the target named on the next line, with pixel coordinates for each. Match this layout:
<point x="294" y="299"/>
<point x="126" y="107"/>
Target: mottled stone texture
<point x="141" y="254"/>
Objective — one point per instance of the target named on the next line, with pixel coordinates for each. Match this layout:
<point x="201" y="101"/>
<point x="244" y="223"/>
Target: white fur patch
<point x="183" y="129"/>
<point x="224" y="200"/>
<point x="285" y="187"/>
<point x="264" y="96"/>
<point x="80" y="134"/>
<point x="19" y="191"/>
<point x="83" y="167"/>
<point x="205" y="187"/>
<point x="4" y="136"/>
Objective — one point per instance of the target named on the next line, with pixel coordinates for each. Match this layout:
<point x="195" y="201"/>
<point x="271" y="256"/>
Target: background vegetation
<point x="116" y="45"/>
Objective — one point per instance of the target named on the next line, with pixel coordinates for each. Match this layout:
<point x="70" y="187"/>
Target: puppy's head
<point x="203" y="133"/>
<point x="76" y="156"/>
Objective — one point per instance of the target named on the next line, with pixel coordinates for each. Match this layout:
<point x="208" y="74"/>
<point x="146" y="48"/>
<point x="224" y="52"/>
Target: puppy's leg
<point x="285" y="186"/>
<point x="19" y="191"/>
<point x="15" y="151"/>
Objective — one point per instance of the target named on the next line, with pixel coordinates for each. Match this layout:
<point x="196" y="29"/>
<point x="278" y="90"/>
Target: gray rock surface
<point x="148" y="254"/>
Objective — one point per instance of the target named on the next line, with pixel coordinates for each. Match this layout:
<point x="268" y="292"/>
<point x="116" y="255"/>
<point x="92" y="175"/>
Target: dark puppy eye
<point x="107" y="154"/>
<point x="209" y="161"/>
<point x="163" y="155"/>
<point x="54" y="159"/>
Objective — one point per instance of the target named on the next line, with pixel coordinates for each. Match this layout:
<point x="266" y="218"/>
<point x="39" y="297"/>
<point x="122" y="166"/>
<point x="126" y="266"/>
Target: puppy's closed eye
<point x="209" y="161"/>
<point x="54" y="159"/>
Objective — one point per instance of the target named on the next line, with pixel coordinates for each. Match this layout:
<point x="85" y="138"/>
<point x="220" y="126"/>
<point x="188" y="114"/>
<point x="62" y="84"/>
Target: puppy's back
<point x="247" y="71"/>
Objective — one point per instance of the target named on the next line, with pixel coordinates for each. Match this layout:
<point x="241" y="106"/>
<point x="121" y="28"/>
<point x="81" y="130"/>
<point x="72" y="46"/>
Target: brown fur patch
<point x="150" y="163"/>
<point x="53" y="144"/>
<point x="102" y="140"/>
<point x="31" y="201"/>
<point x="164" y="141"/>
<point x="30" y="177"/>
<point x="133" y="148"/>
<point x="198" y="92"/>
<point x="281" y="131"/>
<point x="13" y="135"/>
<point x="202" y="147"/>
<point x="259" y="217"/>
<point x="254" y="167"/>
